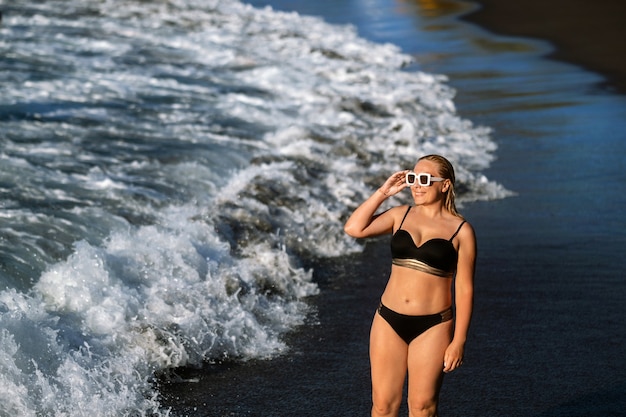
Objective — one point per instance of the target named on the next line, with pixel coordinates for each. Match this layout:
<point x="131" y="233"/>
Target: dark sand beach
<point x="547" y="339"/>
<point x="586" y="33"/>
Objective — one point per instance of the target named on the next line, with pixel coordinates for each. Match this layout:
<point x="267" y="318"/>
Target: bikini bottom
<point x="409" y="327"/>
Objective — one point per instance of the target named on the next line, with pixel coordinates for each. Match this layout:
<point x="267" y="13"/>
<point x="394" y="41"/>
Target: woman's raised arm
<point x="364" y="222"/>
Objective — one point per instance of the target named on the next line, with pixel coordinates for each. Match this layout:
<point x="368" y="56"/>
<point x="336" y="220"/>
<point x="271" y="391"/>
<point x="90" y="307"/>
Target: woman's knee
<point x="422" y="407"/>
<point x="385" y="409"/>
<point x="385" y="406"/>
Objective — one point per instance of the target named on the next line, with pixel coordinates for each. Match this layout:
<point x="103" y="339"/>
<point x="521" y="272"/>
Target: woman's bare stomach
<point x="416" y="293"/>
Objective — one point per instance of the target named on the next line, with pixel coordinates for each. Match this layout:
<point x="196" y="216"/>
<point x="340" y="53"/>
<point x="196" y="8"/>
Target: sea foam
<point x="168" y="171"/>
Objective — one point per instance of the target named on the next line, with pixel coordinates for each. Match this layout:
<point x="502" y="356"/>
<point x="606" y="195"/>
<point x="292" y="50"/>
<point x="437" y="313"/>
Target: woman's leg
<point x="425" y="367"/>
<point x="388" y="358"/>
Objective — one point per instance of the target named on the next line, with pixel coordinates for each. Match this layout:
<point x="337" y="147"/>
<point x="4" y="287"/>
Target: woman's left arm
<point x="463" y="297"/>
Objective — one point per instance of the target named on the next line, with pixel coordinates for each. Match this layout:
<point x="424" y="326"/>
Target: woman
<point x="432" y="247"/>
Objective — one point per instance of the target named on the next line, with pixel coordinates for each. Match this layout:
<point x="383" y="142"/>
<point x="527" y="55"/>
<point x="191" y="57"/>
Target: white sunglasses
<point x="423" y="179"/>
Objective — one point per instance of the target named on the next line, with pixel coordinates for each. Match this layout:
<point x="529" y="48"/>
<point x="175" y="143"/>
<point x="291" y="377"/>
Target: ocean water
<point x="168" y="169"/>
<point x="548" y="323"/>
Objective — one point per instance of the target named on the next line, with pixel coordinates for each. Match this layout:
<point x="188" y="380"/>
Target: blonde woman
<point x="416" y="328"/>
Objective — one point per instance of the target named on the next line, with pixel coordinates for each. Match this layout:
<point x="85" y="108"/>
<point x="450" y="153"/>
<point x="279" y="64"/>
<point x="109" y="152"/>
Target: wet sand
<point x="548" y="316"/>
<point x="591" y="34"/>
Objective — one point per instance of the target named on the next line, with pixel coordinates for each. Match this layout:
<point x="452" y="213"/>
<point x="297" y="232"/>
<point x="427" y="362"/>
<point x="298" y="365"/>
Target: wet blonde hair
<point x="446" y="170"/>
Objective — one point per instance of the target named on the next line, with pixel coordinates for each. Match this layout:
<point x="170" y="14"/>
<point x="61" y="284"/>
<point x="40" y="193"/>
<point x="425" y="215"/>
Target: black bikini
<point x="409" y="327"/>
<point x="437" y="257"/>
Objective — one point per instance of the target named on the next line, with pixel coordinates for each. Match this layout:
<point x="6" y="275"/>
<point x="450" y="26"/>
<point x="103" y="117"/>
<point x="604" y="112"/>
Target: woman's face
<point x="432" y="192"/>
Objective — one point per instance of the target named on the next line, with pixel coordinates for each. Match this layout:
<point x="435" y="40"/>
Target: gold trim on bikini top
<point x="422" y="267"/>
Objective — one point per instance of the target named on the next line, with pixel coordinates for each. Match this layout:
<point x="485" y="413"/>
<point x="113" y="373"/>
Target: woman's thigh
<point x="388" y="357"/>
<point x="425" y="362"/>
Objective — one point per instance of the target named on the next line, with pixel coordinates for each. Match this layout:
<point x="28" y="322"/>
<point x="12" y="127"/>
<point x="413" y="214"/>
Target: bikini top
<point x="435" y="256"/>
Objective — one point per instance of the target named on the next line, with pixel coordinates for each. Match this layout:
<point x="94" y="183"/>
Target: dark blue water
<point x="548" y="336"/>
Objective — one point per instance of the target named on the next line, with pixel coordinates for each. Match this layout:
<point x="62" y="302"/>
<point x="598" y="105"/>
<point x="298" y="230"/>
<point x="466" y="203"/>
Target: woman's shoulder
<point x="465" y="229"/>
<point x="396" y="214"/>
<point x="400" y="211"/>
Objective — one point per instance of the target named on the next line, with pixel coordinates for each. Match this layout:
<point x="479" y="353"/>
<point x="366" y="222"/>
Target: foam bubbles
<point x="168" y="169"/>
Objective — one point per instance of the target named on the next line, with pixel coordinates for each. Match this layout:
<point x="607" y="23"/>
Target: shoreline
<point x="327" y="363"/>
<point x="588" y="34"/>
<point x="520" y="328"/>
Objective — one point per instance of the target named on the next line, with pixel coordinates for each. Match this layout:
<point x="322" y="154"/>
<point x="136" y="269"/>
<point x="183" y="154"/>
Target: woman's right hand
<point x="394" y="184"/>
